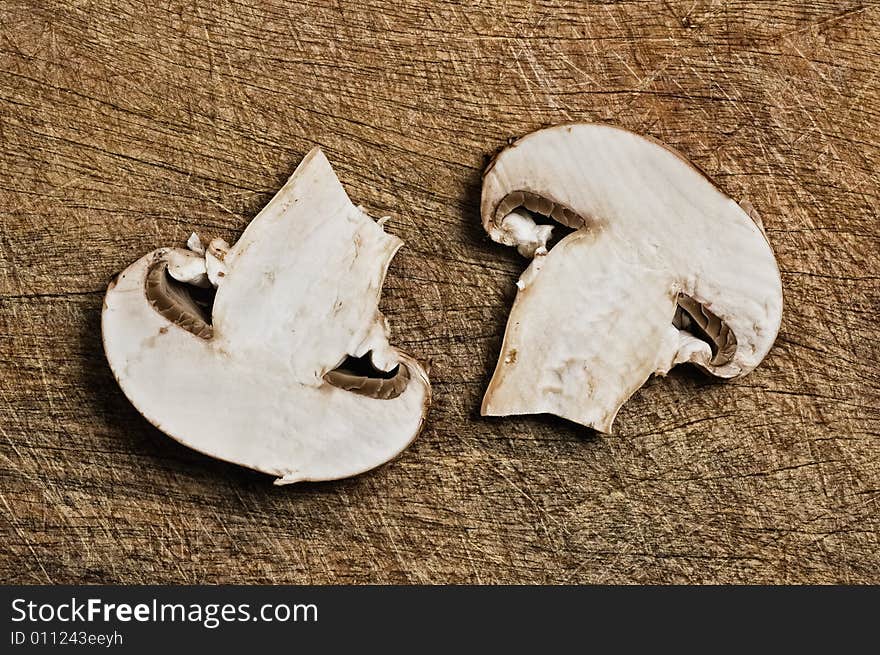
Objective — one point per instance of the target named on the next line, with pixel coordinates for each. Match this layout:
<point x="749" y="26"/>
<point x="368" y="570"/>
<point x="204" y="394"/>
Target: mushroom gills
<point x="695" y="318"/>
<point x="536" y="223"/>
<point x="359" y="375"/>
<point x="186" y="305"/>
<point x="538" y="204"/>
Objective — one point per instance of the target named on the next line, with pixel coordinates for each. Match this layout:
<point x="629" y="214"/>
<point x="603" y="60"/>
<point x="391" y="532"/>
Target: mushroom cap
<point x="661" y="268"/>
<point x="256" y="384"/>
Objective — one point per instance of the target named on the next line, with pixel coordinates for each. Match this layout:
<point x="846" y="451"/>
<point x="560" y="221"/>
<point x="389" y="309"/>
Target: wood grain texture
<point x="126" y="125"/>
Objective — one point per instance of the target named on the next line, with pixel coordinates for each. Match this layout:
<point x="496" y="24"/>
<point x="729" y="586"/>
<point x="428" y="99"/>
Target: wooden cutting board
<point x="126" y="125"/>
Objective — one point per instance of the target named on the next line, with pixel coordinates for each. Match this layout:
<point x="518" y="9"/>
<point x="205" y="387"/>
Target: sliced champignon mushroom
<point x="661" y="268"/>
<point x="285" y="368"/>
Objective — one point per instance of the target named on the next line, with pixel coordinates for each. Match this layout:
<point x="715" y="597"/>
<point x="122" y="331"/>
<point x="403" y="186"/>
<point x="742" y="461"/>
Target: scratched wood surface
<point x="126" y="125"/>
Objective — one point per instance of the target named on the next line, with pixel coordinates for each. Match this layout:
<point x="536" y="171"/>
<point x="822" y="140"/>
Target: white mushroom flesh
<point x="275" y="375"/>
<point x="662" y="269"/>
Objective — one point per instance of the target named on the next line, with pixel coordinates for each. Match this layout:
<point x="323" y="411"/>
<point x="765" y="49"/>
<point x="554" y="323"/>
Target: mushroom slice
<point x="285" y="368"/>
<point x="661" y="268"/>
